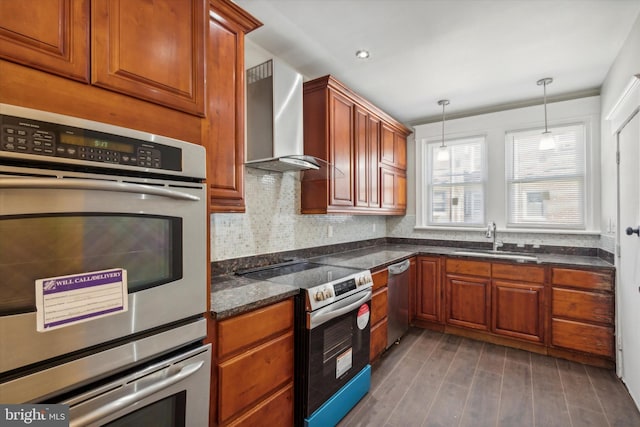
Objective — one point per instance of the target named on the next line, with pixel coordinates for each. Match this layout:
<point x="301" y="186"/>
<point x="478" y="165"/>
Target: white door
<point x="628" y="288"/>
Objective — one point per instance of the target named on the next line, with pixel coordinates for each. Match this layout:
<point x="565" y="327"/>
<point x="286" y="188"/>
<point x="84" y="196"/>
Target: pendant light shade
<point x="547" y="142"/>
<point x="443" y="150"/>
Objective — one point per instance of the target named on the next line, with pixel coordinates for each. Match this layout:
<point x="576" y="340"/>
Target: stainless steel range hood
<point x="275" y="140"/>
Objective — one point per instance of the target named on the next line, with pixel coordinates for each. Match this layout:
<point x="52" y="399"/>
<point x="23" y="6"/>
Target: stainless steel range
<point x="332" y="337"/>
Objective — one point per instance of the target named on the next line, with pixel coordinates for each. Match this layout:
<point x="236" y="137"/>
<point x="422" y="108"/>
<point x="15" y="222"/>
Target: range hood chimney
<point x="275" y="140"/>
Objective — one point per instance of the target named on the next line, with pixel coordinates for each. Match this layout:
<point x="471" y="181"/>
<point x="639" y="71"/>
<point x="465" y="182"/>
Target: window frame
<point x="425" y="205"/>
<point x="585" y="179"/>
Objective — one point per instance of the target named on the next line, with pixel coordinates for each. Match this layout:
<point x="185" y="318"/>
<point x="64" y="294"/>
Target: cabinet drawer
<point x="277" y="410"/>
<point x="247" y="329"/>
<point x="251" y="376"/>
<point x="378" y="339"/>
<point x="581" y="305"/>
<point x="379" y="302"/>
<point x="380" y="279"/>
<point x="524" y="273"/>
<point x="592" y="339"/>
<point x="582" y="279"/>
<point x="474" y="268"/>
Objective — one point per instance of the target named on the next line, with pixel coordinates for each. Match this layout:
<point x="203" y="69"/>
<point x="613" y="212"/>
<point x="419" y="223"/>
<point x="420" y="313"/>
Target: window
<point x="456" y="183"/>
<point x="546" y="188"/>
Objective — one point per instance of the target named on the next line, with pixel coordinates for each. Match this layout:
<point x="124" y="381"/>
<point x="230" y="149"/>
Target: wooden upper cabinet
<point x="341" y="149"/>
<point x="153" y="50"/>
<point x="393" y="148"/>
<point x="347" y="132"/>
<point x="223" y="129"/>
<point x="367" y="172"/>
<point x="56" y="39"/>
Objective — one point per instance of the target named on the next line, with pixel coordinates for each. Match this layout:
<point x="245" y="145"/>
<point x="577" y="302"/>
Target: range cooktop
<point x="323" y="284"/>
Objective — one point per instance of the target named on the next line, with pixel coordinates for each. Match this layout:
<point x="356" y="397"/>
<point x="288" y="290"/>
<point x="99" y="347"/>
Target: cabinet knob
<point x="630" y="231"/>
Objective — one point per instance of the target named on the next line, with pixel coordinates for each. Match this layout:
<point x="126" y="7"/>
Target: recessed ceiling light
<point x="362" y="54"/>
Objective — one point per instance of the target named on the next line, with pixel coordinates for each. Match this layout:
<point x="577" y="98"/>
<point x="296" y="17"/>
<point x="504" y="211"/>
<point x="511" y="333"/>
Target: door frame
<point x="623" y="111"/>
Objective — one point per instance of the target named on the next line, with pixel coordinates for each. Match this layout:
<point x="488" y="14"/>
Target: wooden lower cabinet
<point x="252" y="378"/>
<point x="378" y="320"/>
<point x="585" y="337"/>
<point x="582" y="311"/>
<point x="561" y="311"/>
<point x="428" y="296"/>
<point x="468" y="301"/>
<point x="518" y="310"/>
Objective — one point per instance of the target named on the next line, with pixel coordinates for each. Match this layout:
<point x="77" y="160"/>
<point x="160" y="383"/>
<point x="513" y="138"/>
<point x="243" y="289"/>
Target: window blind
<point x="546" y="188"/>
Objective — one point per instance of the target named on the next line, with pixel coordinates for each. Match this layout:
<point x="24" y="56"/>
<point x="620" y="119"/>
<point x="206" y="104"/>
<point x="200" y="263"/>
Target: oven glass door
<point x="34" y="247"/>
<point x="338" y="350"/>
<point x="57" y="223"/>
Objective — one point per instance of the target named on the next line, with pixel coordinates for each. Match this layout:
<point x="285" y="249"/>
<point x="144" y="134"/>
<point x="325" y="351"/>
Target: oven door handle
<point x="123" y="402"/>
<point x="89" y="184"/>
<point x="337" y="309"/>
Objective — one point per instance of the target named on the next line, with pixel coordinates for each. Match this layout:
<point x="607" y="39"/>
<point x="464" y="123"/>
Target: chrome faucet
<point x="491" y="233"/>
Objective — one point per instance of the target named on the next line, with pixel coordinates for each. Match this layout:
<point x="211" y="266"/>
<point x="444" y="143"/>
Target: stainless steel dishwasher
<point x="398" y="301"/>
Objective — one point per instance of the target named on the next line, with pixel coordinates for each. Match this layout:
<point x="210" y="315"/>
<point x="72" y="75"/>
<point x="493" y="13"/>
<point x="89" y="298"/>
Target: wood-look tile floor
<point x="432" y="379"/>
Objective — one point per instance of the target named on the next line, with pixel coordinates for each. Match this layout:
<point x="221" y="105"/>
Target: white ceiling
<point x="480" y="54"/>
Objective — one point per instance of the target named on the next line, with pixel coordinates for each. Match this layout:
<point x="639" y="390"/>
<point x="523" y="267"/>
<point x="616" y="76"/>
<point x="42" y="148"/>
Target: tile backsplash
<point x="273" y="223"/>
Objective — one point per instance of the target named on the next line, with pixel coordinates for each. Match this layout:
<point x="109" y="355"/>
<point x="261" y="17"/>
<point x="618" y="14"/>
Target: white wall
<point x="627" y="64"/>
<point x="494" y="126"/>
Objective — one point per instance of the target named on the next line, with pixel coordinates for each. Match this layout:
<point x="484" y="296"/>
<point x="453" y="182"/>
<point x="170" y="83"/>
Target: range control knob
<point x="319" y="296"/>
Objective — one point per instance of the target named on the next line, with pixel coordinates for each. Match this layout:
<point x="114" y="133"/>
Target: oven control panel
<point x="27" y="137"/>
<point x="328" y="293"/>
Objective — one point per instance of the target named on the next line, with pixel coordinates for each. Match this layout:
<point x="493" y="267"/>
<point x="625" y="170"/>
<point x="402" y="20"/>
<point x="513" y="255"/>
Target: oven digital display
<point x="71" y="139"/>
<point x="344" y="287"/>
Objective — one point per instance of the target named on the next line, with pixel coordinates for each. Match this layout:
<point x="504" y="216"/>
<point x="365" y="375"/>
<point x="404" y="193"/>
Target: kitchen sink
<point x="488" y="253"/>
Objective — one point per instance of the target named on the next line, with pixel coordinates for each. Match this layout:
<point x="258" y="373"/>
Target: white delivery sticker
<point x="362" y="318"/>
<point x="68" y="300"/>
<point x="344" y="363"/>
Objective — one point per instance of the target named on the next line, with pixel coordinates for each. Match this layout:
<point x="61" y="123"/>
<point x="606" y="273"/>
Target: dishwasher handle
<point x="399" y="268"/>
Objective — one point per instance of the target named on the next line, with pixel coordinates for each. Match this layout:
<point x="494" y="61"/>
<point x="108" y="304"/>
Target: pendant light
<point x="546" y="141"/>
<point x="443" y="150"/>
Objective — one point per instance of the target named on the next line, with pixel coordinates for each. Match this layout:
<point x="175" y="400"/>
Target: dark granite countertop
<point x="232" y="295"/>
<point x="384" y="255"/>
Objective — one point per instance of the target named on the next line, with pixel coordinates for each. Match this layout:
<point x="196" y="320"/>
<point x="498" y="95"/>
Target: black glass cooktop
<point x="303" y="274"/>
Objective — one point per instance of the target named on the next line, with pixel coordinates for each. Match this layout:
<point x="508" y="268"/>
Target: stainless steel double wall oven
<point x="80" y="198"/>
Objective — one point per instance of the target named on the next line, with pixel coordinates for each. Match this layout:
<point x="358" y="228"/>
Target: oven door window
<point x="168" y="412"/>
<point x="34" y="247"/>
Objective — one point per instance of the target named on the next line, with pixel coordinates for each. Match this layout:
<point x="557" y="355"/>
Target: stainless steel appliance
<point x="398" y="301"/>
<point x="332" y="337"/>
<point x="78" y="198"/>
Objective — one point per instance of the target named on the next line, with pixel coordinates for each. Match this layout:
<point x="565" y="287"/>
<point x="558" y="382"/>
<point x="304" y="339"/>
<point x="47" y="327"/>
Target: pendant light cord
<point x="443" y="102"/>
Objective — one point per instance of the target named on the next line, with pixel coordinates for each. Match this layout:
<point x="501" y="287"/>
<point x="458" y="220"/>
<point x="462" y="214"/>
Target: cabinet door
<point x="223" y="132"/>
<point x="428" y="289"/>
<point x="367" y="172"/>
<point x="468" y="301"/>
<point x="56" y="39"/>
<point x="378" y="340"/>
<point x="373" y="145"/>
<point x="361" y="170"/>
<point x="394" y="189"/>
<point x="152" y="50"/>
<point x="341" y="112"/>
<point x="393" y="148"/>
<point x="518" y="310"/>
<point x="246" y="379"/>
